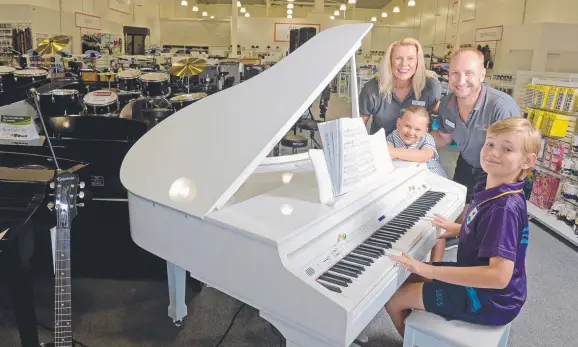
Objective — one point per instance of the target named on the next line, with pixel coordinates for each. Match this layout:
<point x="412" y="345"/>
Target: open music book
<point x="350" y="158"/>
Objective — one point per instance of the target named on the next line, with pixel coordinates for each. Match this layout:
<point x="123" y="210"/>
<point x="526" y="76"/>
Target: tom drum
<point x="60" y="102"/>
<point x="27" y="76"/>
<point x="101" y="103"/>
<point x="128" y="80"/>
<point x="6" y="78"/>
<point x="184" y="100"/>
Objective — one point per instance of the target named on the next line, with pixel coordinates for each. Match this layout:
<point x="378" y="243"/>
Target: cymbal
<point x="53" y="44"/>
<point x="188" y="67"/>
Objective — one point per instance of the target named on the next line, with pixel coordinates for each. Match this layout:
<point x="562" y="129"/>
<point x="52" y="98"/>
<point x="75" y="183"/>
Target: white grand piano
<point x="204" y="197"/>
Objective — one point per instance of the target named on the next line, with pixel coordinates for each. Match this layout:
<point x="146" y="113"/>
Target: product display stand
<point x="552" y="106"/>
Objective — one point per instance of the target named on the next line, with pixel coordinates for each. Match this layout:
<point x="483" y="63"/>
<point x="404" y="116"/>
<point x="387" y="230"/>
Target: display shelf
<point x="552" y="223"/>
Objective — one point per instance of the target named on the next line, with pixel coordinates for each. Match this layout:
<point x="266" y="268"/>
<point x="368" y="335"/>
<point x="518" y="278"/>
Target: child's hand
<point x="452" y="229"/>
<point x="391" y="150"/>
<point x="414" y="266"/>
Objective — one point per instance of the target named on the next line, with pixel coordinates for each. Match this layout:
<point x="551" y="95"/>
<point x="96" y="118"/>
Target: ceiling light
<point x="243" y="10"/>
<point x="184" y="3"/>
<point x="289" y="5"/>
<point x="396" y="9"/>
<point x="342" y="7"/>
<point x="195" y="9"/>
<point x="289" y="11"/>
<point x="351" y="1"/>
<point x="336" y="13"/>
<point x="290" y="0"/>
<point x="204" y="14"/>
<point x="238" y="4"/>
<point x="373" y="19"/>
<point x="411" y="3"/>
<point x="331" y="17"/>
<point x="384" y="14"/>
<point x="212" y="17"/>
<point x="289" y="16"/>
<point x="247" y="14"/>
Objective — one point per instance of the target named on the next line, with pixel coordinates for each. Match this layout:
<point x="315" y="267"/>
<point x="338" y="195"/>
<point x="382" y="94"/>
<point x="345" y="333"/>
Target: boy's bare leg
<point x="408" y="297"/>
<point x="438" y="251"/>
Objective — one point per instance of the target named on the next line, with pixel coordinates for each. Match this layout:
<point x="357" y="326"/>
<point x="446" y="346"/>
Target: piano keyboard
<point x="368" y="260"/>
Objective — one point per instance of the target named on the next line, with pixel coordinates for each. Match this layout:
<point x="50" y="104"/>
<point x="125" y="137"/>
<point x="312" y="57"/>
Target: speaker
<point x="293" y="39"/>
<point x="305" y="34"/>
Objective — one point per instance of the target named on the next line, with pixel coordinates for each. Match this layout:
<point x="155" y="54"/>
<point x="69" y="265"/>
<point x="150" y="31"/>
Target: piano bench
<point x="424" y="329"/>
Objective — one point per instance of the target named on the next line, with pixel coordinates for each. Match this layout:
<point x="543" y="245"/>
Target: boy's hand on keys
<point x="414" y="266"/>
<point x="450" y="229"/>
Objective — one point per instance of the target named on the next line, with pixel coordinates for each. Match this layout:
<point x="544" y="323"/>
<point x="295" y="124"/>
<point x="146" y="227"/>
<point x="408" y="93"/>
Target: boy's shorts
<point x="452" y="301"/>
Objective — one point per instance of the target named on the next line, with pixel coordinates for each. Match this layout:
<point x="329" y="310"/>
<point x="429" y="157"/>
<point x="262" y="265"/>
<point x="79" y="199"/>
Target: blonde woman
<point x="402" y="82"/>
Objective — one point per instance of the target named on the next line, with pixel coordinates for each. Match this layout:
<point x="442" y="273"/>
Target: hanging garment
<point x="15" y="40"/>
<point x="28" y="34"/>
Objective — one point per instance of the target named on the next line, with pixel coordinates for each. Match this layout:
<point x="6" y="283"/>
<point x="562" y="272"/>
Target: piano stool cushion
<point x="310" y="125"/>
<point x="294" y="141"/>
<point x="428" y="329"/>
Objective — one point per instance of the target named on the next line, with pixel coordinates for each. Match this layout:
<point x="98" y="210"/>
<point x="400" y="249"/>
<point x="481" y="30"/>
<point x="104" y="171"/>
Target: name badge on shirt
<point x="418" y="103"/>
<point x="471" y="216"/>
<point x="450" y="123"/>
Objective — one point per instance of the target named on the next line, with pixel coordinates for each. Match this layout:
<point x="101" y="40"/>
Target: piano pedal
<point x="360" y="341"/>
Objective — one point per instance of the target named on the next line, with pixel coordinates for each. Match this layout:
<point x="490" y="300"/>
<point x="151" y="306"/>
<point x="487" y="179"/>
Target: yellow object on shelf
<point x="537" y="119"/>
<point x="541" y="96"/>
<point x="530" y="114"/>
<point x="555" y="125"/>
<point x="552" y="96"/>
<point x="570" y="101"/>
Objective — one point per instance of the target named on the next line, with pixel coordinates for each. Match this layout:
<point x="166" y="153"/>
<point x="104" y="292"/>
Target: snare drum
<point x="60" y="102"/>
<point x="27" y="76"/>
<point x="184" y="100"/>
<point x="6" y="78"/>
<point x="155" y="84"/>
<point x="128" y="80"/>
<point x="101" y="103"/>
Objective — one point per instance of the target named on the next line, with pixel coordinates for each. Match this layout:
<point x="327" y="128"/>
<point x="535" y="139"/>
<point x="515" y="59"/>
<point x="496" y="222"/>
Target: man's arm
<point x="441" y="139"/>
<point x="412" y="154"/>
<point x="365" y="117"/>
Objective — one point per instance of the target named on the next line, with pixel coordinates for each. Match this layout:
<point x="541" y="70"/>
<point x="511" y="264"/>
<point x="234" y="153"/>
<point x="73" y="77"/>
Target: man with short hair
<point x="467" y="112"/>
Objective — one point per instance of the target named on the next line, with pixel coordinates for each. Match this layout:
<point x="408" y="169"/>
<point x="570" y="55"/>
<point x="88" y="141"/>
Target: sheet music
<point x="356" y="163"/>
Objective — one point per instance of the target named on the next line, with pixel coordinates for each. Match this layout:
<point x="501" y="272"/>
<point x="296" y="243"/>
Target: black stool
<point x="312" y="126"/>
<point x="294" y="142"/>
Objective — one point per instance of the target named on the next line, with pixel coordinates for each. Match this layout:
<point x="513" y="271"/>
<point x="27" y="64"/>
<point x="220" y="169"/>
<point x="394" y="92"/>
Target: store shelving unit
<point x="563" y="140"/>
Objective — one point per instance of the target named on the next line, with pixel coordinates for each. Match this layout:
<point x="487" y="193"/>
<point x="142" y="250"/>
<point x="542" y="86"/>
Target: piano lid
<point x="196" y="159"/>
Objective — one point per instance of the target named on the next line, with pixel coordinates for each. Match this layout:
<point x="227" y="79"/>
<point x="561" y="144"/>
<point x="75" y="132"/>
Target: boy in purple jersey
<point x="487" y="285"/>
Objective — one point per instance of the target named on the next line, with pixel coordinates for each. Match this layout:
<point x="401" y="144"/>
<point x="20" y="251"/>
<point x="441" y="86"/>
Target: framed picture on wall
<point x="281" y="30"/>
<point x="120" y="5"/>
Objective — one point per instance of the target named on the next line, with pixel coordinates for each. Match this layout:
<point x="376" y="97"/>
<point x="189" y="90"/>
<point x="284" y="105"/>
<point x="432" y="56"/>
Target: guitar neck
<point x="62" y="290"/>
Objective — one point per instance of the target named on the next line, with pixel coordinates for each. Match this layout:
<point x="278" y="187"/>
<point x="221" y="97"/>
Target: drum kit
<point x="141" y="94"/>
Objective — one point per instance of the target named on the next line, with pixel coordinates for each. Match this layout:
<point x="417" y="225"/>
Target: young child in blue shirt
<point x="487" y="285"/>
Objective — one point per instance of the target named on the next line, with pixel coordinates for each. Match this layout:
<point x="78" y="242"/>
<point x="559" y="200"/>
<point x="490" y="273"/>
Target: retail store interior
<point x="169" y="170"/>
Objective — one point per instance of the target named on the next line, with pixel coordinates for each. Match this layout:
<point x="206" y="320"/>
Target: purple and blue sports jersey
<point x="496" y="224"/>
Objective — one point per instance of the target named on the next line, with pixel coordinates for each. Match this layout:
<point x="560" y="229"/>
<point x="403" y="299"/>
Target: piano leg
<point x="177" y="307"/>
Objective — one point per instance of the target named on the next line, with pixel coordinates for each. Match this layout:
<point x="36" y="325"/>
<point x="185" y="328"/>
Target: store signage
<point x="489" y="34"/>
<point x="282" y="30"/>
<point x="119" y="5"/>
<point x="87" y="21"/>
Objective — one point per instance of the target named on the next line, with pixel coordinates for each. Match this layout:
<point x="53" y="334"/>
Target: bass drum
<point x="101" y="103"/>
<point x="60" y="102"/>
<point x="181" y="101"/>
<point x="6" y="78"/>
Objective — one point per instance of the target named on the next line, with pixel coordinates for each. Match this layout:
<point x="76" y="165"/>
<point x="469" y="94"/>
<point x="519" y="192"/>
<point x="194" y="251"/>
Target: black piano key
<point x="330" y="287"/>
<point x="384" y="238"/>
<point x="334" y="281"/>
<point x="337" y="277"/>
<point x="352" y="266"/>
<point x="365" y="254"/>
<point x="381" y="242"/>
<point x="374" y="244"/>
<point x="370" y="250"/>
<point x="352" y="259"/>
<point x="387" y="233"/>
<point x="342" y="271"/>
<point x="360" y="257"/>
<point x="380" y="250"/>
<point x="396" y="231"/>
